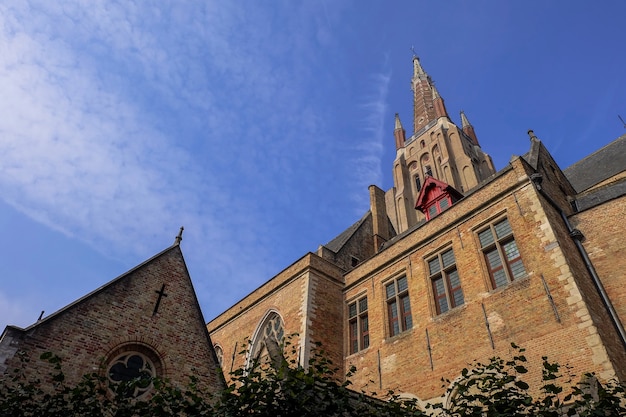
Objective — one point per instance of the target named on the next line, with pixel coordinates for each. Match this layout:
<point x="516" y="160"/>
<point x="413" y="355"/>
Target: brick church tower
<point x="438" y="148"/>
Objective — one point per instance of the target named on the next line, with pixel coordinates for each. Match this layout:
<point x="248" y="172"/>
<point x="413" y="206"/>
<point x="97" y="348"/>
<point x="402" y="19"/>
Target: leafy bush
<point x="285" y="389"/>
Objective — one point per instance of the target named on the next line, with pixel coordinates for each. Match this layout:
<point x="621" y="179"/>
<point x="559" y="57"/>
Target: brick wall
<point x="119" y="316"/>
<point x="519" y="312"/>
<point x="307" y="295"/>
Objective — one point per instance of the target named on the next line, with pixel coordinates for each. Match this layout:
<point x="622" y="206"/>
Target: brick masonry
<point x="553" y="310"/>
<point x="119" y="317"/>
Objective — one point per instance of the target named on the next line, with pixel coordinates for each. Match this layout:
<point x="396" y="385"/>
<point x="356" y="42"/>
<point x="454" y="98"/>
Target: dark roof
<point x="597" y="167"/>
<point x="337" y="243"/>
<point x="601" y="195"/>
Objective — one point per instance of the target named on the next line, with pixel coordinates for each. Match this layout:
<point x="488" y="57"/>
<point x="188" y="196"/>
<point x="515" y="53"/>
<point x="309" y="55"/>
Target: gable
<point x="151" y="312"/>
<point x="436" y="196"/>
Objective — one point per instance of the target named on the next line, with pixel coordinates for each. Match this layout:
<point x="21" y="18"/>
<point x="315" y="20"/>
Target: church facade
<point x="453" y="264"/>
<point x="145" y="323"/>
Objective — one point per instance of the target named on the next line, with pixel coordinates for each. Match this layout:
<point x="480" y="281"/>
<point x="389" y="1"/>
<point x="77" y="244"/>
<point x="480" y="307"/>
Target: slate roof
<point x="337" y="243"/>
<point x="601" y="195"/>
<point x="597" y="167"/>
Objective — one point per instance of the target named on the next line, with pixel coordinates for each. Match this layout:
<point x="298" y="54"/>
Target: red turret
<point x="399" y="133"/>
<point x="468" y="129"/>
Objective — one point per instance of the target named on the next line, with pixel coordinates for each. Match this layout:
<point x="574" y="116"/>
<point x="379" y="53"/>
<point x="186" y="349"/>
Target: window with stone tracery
<point x="267" y="344"/>
<point x="135" y="368"/>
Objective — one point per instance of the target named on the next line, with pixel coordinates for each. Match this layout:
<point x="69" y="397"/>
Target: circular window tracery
<point x="135" y="367"/>
<point x="132" y="367"/>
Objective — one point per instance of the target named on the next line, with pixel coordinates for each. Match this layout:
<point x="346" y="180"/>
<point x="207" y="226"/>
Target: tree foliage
<point x="496" y="388"/>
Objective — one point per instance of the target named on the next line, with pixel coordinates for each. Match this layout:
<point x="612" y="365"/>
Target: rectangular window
<point x="358" y="325"/>
<point x="398" y="306"/>
<point x="502" y="257"/>
<point x="445" y="281"/>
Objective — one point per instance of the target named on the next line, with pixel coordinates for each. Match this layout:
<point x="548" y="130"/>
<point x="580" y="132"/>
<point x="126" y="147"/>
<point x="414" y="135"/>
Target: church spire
<point x="399" y="133"/>
<point x="468" y="129"/>
<point x="424" y="110"/>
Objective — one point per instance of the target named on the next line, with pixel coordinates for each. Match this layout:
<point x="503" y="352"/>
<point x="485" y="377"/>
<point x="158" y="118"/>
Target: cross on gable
<point x="162" y="294"/>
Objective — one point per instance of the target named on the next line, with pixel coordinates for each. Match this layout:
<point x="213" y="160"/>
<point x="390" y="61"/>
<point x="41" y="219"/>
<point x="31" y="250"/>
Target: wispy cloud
<point x="373" y="106"/>
<point x="123" y="121"/>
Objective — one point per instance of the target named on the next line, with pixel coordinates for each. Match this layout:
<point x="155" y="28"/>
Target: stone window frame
<point x="267" y="335"/>
<point x="358" y="324"/>
<point x="501" y="254"/>
<point x="219" y="354"/>
<point x="398" y="305"/>
<point x="147" y="354"/>
<point x="445" y="281"/>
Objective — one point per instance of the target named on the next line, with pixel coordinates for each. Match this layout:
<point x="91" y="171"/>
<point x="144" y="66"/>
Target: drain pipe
<point x="578" y="237"/>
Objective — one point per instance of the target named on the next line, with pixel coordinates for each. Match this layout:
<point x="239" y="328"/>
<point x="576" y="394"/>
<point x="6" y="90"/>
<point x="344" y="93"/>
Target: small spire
<point x="464" y="121"/>
<point x="398" y="122"/>
<point x="399" y="133"/>
<point x="468" y="129"/>
<point x="179" y="237"/>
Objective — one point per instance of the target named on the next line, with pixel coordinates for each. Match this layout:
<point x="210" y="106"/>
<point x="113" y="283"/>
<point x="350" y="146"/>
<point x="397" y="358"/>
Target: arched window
<point x="219" y="352"/>
<point x="267" y="342"/>
<point x="136" y="363"/>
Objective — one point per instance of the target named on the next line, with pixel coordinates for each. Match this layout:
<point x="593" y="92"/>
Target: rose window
<point x="135" y="369"/>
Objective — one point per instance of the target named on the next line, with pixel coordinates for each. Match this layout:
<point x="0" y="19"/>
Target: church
<point x="452" y="264"/>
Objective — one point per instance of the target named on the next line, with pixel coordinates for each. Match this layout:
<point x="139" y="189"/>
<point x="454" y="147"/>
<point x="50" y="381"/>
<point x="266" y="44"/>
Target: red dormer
<point x="436" y="196"/>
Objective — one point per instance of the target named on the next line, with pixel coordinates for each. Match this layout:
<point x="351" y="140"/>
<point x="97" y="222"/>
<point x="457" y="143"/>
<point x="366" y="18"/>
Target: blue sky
<point x="258" y="125"/>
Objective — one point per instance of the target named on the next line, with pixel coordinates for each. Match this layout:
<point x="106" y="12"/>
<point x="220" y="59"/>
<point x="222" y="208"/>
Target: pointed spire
<point x="179" y="237"/>
<point x="425" y="106"/>
<point x="399" y="133"/>
<point x="440" y="106"/>
<point x="468" y="129"/>
<point x="464" y="121"/>
<point x="398" y="122"/>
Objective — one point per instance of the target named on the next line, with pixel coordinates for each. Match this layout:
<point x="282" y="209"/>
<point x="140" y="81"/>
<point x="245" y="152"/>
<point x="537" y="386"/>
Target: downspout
<point x="578" y="237"/>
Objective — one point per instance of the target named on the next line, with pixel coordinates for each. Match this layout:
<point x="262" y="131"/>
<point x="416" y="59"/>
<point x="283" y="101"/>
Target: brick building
<point x="454" y="263"/>
<point x="450" y="265"/>
<point x="145" y="322"/>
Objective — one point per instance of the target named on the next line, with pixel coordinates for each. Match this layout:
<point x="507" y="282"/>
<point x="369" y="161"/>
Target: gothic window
<point x="445" y="281"/>
<point x="219" y="352"/>
<point x="428" y="170"/>
<point x="502" y="256"/>
<point x="398" y="306"/>
<point x="418" y="184"/>
<point x="358" y="325"/>
<point x="267" y="344"/>
<point x="133" y="367"/>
